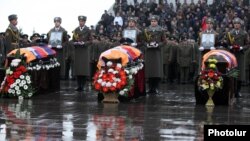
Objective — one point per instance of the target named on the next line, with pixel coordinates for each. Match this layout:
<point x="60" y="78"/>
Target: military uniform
<point x="2" y="49"/>
<point x="60" y="49"/>
<point x="12" y="35"/>
<point x="24" y="42"/>
<point x="154" y="37"/>
<point x="184" y="59"/>
<point x="238" y="40"/>
<point x="82" y="39"/>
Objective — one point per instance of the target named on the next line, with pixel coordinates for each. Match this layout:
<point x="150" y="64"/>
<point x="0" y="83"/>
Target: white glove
<point x="149" y="46"/>
<point x="241" y="48"/>
<point x="212" y="48"/>
<point x="151" y="43"/>
<point x="50" y="46"/>
<point x="133" y="44"/>
<point x="231" y="47"/>
<point x="58" y="46"/>
<point x="156" y="45"/>
<point x="201" y="48"/>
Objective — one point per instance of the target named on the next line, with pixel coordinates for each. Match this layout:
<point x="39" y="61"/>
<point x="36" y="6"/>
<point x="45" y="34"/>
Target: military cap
<point x="237" y="20"/>
<point x="84" y="18"/>
<point x="126" y="41"/>
<point x="58" y="19"/>
<point x="12" y="17"/>
<point x="2" y="33"/>
<point x="36" y="35"/>
<point x="209" y="20"/>
<point x="132" y="19"/>
<point x="154" y="17"/>
<point x="25" y="36"/>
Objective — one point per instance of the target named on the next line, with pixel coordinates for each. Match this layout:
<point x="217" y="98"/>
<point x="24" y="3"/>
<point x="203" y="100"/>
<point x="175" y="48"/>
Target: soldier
<point x="208" y="44"/>
<point x="25" y="41"/>
<point x="12" y="34"/>
<point x="238" y="40"/>
<point x="154" y="37"/>
<point x="132" y="26"/>
<point x="69" y="59"/>
<point x="34" y="39"/>
<point x="184" y="58"/>
<point x="59" y="47"/>
<point x="2" y="49"/>
<point x="82" y="39"/>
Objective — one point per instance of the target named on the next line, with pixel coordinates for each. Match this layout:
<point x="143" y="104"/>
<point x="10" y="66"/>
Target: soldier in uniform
<point x="207" y="45"/>
<point x="2" y="49"/>
<point x="82" y="40"/>
<point x="184" y="58"/>
<point x="132" y="26"/>
<point x="12" y="36"/>
<point x="154" y="37"/>
<point x="25" y="41"/>
<point x="34" y="39"/>
<point x="60" y="51"/>
<point x="238" y="40"/>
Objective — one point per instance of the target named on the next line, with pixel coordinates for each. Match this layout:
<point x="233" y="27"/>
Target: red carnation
<point x="112" y="89"/>
<point x="97" y="86"/>
<point x="105" y="89"/>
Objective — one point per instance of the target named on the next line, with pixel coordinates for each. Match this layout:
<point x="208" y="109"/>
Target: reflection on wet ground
<point x="69" y="115"/>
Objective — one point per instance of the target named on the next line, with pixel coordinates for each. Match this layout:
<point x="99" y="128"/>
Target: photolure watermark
<point x="213" y="132"/>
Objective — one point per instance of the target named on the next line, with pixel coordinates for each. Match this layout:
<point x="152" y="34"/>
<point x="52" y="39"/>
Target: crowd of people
<point x="173" y="32"/>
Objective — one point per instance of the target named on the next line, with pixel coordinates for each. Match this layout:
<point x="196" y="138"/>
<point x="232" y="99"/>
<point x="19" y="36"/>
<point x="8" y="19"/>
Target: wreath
<point x="113" y="78"/>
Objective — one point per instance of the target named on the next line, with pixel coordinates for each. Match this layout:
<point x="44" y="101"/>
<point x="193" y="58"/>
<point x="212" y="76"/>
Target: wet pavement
<point x="69" y="115"/>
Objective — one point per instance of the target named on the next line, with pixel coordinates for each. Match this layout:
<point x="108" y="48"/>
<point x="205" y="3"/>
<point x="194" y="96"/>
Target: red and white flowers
<point x="17" y="82"/>
<point x="113" y="78"/>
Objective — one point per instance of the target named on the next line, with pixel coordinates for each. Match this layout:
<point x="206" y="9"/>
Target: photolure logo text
<point x="235" y="133"/>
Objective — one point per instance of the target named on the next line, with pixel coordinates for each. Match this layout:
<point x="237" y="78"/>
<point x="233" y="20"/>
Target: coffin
<point x="226" y="63"/>
<point x="130" y="60"/>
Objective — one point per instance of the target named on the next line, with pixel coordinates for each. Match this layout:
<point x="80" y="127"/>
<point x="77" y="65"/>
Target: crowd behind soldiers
<point x="181" y="26"/>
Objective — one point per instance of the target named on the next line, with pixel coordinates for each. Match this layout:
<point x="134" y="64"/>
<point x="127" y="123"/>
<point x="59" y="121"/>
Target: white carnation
<point x="114" y="84"/>
<point x="109" y="63"/>
<point x="103" y="83"/>
<point x="30" y="94"/>
<point x="99" y="81"/>
<point x="9" y="91"/>
<point x="119" y="65"/>
<point x="18" y="81"/>
<point x="23" y="82"/>
<point x="25" y="87"/>
<point x="111" y="70"/>
<point x="27" y="77"/>
<point x="130" y="76"/>
<point x="22" y="76"/>
<point x="16" y="88"/>
<point x="18" y="92"/>
<point x="108" y="84"/>
<point x="121" y="92"/>
<point x="20" y="97"/>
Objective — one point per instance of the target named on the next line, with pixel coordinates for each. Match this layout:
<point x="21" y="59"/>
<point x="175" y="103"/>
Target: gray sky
<point x="38" y="15"/>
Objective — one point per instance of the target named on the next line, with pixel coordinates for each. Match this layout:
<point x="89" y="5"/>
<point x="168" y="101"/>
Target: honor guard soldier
<point x="12" y="34"/>
<point x="132" y="29"/>
<point x="154" y="37"/>
<point x="57" y="37"/>
<point x="82" y="40"/>
<point x="238" y="40"/>
<point x="208" y="38"/>
<point x="25" y="41"/>
<point x="2" y="49"/>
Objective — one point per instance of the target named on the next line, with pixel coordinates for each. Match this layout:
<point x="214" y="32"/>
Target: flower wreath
<point x="17" y="81"/>
<point x="210" y="78"/>
<point x="113" y="78"/>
